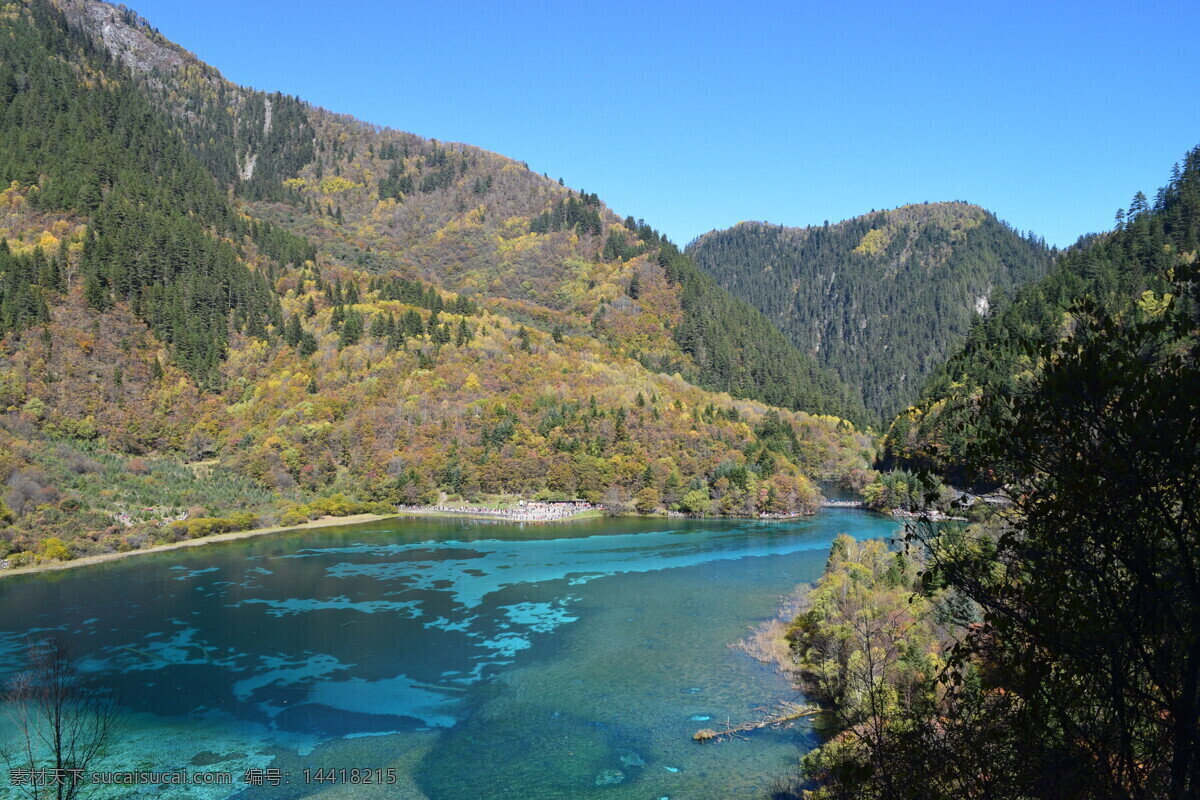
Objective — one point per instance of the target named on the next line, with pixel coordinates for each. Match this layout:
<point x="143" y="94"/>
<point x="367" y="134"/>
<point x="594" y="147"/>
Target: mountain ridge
<point x="879" y="298"/>
<point x="1128" y="272"/>
<point x="463" y="218"/>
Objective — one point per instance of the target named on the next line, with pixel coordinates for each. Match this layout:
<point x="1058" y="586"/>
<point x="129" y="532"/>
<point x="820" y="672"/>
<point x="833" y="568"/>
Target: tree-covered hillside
<point x="1049" y="651"/>
<point x="881" y="299"/>
<point x="1130" y="271"/>
<point x="465" y="219"/>
<point x="78" y="136"/>
<point x="200" y="313"/>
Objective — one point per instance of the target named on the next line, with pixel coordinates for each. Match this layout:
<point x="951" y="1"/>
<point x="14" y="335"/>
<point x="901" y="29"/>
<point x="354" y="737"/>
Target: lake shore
<point x="535" y="513"/>
<point x="324" y="522"/>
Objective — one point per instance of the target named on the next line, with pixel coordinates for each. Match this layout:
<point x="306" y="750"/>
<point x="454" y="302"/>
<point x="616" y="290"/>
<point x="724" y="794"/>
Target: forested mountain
<point x="466" y="220"/>
<point x="232" y="304"/>
<point x="881" y="299"/>
<point x="1131" y="270"/>
<point x="160" y="235"/>
<point x="1049" y="651"/>
<point x="226" y="300"/>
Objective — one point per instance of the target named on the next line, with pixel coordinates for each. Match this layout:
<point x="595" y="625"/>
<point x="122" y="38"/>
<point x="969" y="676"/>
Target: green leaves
<point x="881" y="298"/>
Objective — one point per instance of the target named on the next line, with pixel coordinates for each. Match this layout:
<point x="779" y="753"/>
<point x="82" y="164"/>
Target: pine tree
<point x="308" y="344"/>
<point x="292" y="331"/>
<point x="352" y="329"/>
<point x="413" y="326"/>
<point x="379" y="327"/>
<point x="95" y="293"/>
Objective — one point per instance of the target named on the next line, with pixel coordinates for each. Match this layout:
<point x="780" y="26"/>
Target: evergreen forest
<point x="880" y="299"/>
<point x="1048" y="649"/>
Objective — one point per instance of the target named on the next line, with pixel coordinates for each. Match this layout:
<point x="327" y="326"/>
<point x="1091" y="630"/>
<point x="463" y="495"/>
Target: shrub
<point x="54" y="549"/>
<point x="647" y="500"/>
<point x="696" y="501"/>
<point x="294" y="516"/>
<point x="208" y="526"/>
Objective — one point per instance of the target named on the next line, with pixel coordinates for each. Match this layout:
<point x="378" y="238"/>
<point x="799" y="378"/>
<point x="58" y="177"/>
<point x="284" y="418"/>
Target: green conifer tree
<point x="352" y="329"/>
<point x="292" y="331"/>
<point x="308" y="344"/>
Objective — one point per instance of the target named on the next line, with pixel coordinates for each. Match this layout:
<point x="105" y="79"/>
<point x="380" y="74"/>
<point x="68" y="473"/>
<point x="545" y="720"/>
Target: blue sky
<point x="698" y="115"/>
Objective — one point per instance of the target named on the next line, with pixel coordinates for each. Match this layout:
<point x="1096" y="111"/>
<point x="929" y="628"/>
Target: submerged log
<point x="785" y="714"/>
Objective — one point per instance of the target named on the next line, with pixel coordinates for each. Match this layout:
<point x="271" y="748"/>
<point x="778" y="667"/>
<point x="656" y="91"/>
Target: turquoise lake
<point x="477" y="660"/>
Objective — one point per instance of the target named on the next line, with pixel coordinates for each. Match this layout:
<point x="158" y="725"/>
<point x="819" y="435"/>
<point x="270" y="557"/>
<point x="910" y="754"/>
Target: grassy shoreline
<point x="324" y="522"/>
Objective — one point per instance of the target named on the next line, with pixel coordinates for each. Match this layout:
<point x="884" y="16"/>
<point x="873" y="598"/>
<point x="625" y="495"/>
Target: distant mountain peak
<point x="880" y="298"/>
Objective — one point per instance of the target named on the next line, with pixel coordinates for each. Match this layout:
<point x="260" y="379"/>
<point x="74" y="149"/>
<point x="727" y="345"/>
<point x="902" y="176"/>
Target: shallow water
<point x="477" y="660"/>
